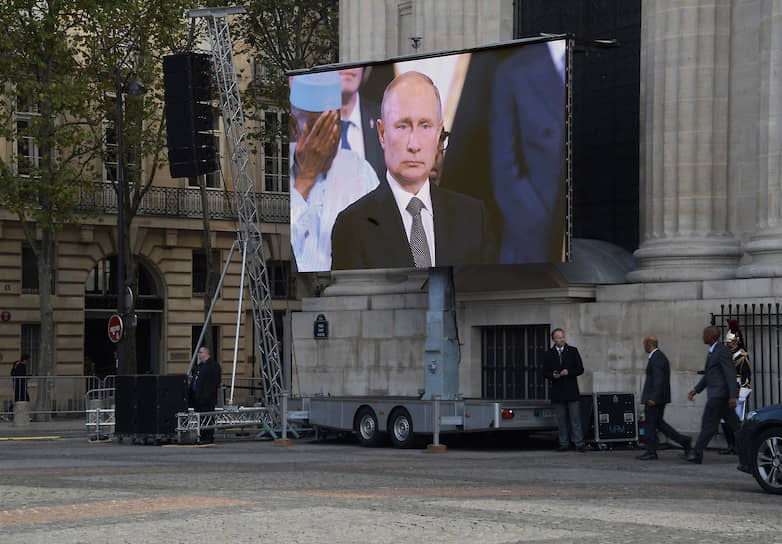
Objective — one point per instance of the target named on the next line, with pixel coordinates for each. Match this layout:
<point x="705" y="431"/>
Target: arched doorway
<point x="100" y="302"/>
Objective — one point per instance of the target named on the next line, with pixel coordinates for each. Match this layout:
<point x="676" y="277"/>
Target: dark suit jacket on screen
<point x="370" y="234"/>
<point x="657" y="386"/>
<point x="373" y="153"/>
<point x="527" y="155"/>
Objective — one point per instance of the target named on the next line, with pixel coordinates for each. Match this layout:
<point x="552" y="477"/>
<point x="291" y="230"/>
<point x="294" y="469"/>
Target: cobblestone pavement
<point x="66" y="490"/>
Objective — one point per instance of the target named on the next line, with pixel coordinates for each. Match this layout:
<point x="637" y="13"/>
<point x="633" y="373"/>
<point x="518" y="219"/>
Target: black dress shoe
<point x="647" y="456"/>
<point x="687" y="445"/>
<point x="693" y="457"/>
<point x="562" y="448"/>
<point x="581" y="449"/>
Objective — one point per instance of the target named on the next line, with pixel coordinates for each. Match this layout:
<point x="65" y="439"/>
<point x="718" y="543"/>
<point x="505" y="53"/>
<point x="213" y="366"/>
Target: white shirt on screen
<point x="557" y="50"/>
<point x="402" y="198"/>
<point x="356" y="130"/>
<point x="349" y="178"/>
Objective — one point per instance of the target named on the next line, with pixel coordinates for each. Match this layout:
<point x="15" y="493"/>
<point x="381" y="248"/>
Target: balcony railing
<point x="175" y="202"/>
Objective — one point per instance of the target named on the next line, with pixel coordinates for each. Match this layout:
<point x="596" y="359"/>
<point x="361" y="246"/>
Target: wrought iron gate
<point x="512" y="362"/>
<point x="761" y="326"/>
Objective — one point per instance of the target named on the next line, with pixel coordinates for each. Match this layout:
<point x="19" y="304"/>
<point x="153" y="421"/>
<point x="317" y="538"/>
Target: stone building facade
<point x="167" y="241"/>
<point x="710" y="216"/>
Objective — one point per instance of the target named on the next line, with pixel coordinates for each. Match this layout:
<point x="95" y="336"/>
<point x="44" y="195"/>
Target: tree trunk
<point x="127" y="346"/>
<point x="46" y="354"/>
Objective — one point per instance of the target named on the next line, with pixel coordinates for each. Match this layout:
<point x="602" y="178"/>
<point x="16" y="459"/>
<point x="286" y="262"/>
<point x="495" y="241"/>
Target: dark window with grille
<point x="199" y="270"/>
<point x="30" y="272"/>
<point x="282" y="284"/>
<point x="31" y="343"/>
<point x="512" y="362"/>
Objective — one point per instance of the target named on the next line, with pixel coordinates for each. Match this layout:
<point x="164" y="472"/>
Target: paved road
<point x="67" y="490"/>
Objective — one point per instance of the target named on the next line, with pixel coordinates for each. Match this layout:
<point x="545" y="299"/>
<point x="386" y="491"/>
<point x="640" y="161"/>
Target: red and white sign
<point x="115" y="328"/>
<point x="5" y="316"/>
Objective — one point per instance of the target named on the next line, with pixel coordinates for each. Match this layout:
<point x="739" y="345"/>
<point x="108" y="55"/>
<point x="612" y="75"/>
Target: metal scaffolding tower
<point x="249" y="236"/>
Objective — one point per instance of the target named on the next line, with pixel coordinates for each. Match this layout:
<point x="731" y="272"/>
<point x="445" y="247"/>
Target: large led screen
<point x="450" y="159"/>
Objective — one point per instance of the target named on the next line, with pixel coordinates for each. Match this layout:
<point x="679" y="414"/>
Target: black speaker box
<point x="190" y="116"/>
<point x="125" y="404"/>
<point x="148" y="403"/>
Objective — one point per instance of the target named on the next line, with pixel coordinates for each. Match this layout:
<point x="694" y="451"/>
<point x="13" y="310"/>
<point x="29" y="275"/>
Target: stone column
<point x="684" y="145"/>
<point x="363" y="29"/>
<point x="381" y="29"/>
<point x="765" y="246"/>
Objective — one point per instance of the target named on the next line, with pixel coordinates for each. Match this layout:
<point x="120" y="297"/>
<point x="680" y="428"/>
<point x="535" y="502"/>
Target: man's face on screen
<point x="409" y="132"/>
<point x="351" y="81"/>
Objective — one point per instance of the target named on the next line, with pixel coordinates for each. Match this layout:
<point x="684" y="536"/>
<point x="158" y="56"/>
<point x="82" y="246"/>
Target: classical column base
<point x="686" y="259"/>
<point x="765" y="249"/>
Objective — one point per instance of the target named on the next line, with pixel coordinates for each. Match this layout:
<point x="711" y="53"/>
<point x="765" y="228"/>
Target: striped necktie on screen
<point x="418" y="243"/>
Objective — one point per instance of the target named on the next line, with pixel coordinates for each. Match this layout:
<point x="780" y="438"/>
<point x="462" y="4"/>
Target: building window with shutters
<point x="25" y="148"/>
<point x="276" y="151"/>
<point x="282" y="284"/>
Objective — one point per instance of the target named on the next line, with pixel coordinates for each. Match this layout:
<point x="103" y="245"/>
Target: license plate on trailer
<point x="544" y="412"/>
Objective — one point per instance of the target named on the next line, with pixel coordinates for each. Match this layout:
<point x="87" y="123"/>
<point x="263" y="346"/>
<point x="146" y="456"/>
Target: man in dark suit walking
<point x="408" y="221"/>
<point x="656" y="394"/>
<point x="563" y="366"/>
<point x="719" y="380"/>
<point x="203" y="388"/>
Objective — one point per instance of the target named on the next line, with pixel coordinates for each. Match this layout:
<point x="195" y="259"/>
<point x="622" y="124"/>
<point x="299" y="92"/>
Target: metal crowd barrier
<point x="56" y="395"/>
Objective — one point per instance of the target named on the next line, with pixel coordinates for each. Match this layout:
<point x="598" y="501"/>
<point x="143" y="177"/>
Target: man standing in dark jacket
<point x="719" y="380"/>
<point x="203" y="388"/>
<point x="656" y="394"/>
<point x="563" y="366"/>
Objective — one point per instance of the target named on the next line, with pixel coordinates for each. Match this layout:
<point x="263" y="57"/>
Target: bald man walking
<point x="656" y="394"/>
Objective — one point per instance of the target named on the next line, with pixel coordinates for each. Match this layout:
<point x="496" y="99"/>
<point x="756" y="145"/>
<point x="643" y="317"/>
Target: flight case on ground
<point x="609" y="417"/>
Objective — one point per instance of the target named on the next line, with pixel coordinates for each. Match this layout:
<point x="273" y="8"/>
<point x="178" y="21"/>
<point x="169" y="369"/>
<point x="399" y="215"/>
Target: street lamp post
<point x="133" y="88"/>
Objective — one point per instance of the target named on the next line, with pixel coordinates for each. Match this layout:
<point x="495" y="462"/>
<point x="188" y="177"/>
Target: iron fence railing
<point x="761" y="327"/>
<point x="178" y="202"/>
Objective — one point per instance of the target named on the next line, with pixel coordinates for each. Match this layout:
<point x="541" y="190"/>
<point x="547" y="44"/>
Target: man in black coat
<point x="19" y="373"/>
<point x="719" y="380"/>
<point x="562" y="365"/>
<point x="656" y="394"/>
<point x="203" y="388"/>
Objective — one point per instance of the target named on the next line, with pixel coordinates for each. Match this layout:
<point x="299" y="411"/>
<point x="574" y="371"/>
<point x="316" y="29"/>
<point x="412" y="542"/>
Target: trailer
<point x="403" y="419"/>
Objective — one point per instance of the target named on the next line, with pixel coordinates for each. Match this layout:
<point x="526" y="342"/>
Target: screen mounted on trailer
<point x="448" y="159"/>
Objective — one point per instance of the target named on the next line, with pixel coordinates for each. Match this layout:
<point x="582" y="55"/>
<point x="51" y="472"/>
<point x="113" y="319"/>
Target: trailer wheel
<point x="401" y="429"/>
<point x="366" y="427"/>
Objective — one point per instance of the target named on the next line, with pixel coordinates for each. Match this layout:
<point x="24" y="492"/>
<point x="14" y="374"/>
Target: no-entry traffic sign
<point x="115" y="328"/>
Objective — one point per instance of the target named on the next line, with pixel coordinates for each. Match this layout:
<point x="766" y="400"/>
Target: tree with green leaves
<point x="128" y="39"/>
<point x="59" y="61"/>
<point x="283" y="35"/>
<point x="47" y="100"/>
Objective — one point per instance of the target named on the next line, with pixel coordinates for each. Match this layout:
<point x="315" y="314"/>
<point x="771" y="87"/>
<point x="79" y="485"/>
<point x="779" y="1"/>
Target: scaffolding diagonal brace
<point x="249" y="233"/>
